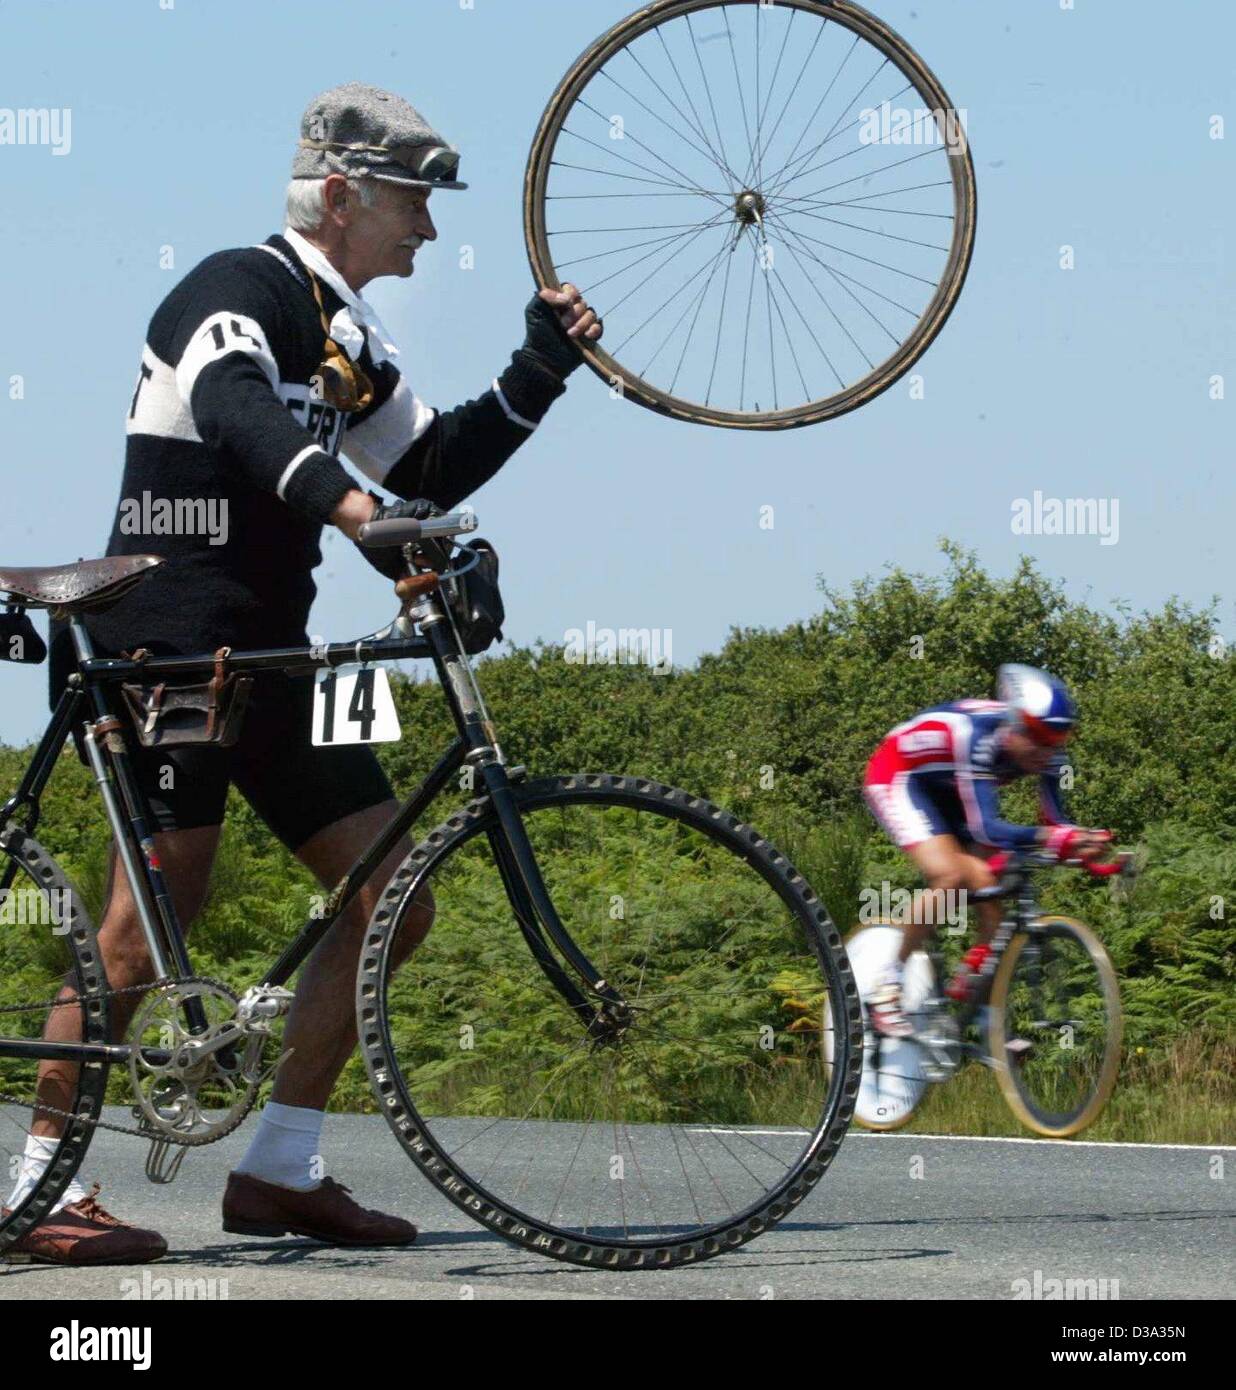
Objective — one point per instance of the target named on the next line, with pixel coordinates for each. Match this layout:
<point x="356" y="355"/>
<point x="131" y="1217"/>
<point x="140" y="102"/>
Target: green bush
<point x="777" y="726"/>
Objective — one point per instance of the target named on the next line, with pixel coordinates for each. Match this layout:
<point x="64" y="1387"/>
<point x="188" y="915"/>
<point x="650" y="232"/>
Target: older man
<point x="259" y="368"/>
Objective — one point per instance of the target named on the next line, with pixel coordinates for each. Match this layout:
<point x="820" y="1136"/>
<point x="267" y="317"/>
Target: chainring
<point x="198" y="1094"/>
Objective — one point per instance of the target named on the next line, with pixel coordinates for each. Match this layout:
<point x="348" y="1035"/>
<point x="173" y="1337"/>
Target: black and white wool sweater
<point x="223" y="410"/>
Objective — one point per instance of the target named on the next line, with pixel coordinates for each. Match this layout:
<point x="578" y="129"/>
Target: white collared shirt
<point x="358" y="319"/>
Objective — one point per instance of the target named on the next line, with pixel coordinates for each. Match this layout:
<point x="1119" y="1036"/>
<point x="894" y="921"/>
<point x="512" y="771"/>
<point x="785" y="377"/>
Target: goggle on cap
<point x="363" y="132"/>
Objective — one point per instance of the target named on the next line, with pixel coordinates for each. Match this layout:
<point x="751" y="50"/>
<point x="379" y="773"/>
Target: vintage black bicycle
<point x="601" y="1049"/>
<point x="1043" y="1014"/>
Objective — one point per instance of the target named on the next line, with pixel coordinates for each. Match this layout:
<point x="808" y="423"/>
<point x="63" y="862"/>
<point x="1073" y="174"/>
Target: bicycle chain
<point x="99" y="1122"/>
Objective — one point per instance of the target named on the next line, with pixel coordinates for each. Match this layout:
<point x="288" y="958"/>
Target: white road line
<point x="1068" y="1143"/>
<point x="983" y="1139"/>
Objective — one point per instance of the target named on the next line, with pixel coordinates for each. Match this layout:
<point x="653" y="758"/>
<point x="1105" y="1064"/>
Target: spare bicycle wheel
<point x="771" y="207"/>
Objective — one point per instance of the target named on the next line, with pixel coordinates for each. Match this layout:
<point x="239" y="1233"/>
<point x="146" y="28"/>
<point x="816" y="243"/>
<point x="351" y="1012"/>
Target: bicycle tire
<point x="498" y="1214"/>
<point x="886" y="373"/>
<point x="88" y="978"/>
<point x="1065" y="1124"/>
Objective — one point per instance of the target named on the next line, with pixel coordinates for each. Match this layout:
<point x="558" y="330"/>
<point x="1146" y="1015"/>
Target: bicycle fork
<point x="602" y="1010"/>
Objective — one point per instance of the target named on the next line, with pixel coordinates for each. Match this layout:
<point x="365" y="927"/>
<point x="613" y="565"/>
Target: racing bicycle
<point x="597" y="1051"/>
<point x="1043" y="1013"/>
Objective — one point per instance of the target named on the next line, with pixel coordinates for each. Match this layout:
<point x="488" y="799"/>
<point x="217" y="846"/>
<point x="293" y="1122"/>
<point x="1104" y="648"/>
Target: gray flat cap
<point x="364" y="132"/>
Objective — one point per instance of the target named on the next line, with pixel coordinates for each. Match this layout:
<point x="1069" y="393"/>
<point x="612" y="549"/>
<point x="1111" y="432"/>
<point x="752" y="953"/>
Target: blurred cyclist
<point x="932" y="784"/>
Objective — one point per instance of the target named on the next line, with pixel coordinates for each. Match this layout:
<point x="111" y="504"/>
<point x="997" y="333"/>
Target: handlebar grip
<point x="396" y="531"/>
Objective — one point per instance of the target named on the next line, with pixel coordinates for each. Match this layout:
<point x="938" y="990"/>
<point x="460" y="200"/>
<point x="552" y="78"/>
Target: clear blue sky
<point x="1089" y="127"/>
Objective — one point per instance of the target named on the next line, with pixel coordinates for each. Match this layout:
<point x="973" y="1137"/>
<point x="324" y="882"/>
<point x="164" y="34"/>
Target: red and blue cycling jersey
<point x="940" y="773"/>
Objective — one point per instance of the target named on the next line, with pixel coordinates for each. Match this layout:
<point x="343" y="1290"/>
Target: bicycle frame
<point x="1020" y="916"/>
<point x="88" y="698"/>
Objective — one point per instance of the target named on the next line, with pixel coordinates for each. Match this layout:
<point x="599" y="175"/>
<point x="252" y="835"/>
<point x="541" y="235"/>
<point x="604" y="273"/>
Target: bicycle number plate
<point x="353" y="704"/>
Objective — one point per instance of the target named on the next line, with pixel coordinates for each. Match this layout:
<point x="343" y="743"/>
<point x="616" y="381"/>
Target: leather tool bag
<point x="179" y="716"/>
<point x="476" y="601"/>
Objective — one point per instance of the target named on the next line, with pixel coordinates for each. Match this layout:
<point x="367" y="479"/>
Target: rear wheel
<point x="48" y="951"/>
<point x="1055" y="1026"/>
<point x="698" y="1124"/>
<point x="894" y="1079"/>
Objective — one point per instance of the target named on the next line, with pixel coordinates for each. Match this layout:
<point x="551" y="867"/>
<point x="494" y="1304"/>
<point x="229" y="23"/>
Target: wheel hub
<point x="749" y="207"/>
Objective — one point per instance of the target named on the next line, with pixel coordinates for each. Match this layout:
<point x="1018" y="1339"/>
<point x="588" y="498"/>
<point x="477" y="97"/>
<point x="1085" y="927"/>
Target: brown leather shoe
<point x="82" y="1233"/>
<point x="252" y="1207"/>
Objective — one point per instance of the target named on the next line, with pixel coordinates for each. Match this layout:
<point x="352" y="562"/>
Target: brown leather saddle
<point x="89" y="586"/>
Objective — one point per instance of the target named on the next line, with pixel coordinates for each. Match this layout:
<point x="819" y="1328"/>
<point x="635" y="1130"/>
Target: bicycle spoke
<point x="698" y="125"/>
<point x="708" y="90"/>
<point x="840" y="275"/>
<point x="665" y="304"/>
<point x="683" y="237"/>
<point x="647" y="1125"/>
<point x="626" y="91"/>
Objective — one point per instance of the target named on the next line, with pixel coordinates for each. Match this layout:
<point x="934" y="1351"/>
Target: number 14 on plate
<point x="353" y="704"/>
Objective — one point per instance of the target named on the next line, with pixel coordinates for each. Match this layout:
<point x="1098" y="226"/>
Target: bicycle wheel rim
<point x="1020" y="1083"/>
<point x="931" y="316"/>
<point x="45" y="919"/>
<point x="494" y="1202"/>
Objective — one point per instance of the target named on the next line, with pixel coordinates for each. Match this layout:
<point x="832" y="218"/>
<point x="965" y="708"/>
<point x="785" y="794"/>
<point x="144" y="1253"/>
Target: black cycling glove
<point x="388" y="560"/>
<point x="547" y="340"/>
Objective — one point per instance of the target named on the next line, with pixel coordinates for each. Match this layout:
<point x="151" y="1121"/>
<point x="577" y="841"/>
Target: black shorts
<point x="295" y="788"/>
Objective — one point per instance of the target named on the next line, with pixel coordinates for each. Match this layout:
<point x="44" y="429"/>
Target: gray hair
<point x="306" y="200"/>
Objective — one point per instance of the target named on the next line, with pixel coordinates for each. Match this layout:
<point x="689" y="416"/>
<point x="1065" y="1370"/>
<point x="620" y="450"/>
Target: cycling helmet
<point x="1036" y="702"/>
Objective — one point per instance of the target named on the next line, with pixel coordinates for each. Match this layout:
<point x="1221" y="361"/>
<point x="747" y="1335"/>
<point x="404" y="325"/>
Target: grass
<point x="1183" y="1094"/>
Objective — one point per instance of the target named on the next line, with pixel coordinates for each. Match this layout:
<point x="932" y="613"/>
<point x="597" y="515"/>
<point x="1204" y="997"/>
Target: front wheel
<point x="1055" y="1026"/>
<point x="700" y="1122"/>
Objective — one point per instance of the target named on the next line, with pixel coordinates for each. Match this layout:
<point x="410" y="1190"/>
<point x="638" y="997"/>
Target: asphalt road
<point x="983" y="1215"/>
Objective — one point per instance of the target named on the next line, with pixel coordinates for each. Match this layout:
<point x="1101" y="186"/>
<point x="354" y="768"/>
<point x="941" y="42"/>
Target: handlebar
<point x="375" y="535"/>
<point x="1014" y="864"/>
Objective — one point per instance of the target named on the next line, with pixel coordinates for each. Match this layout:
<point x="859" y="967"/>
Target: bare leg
<point x="321" y="1027"/>
<point x="186" y="856"/>
<point x="947" y="868"/>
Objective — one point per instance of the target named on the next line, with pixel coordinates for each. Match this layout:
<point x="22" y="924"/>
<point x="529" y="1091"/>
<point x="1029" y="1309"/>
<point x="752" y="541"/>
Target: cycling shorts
<point x="297" y="789"/>
<point x="909" y="808"/>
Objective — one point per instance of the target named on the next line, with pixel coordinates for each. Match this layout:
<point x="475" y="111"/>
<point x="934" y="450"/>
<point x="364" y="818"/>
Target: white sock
<point x="285" y="1149"/>
<point x="35" y="1157"/>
